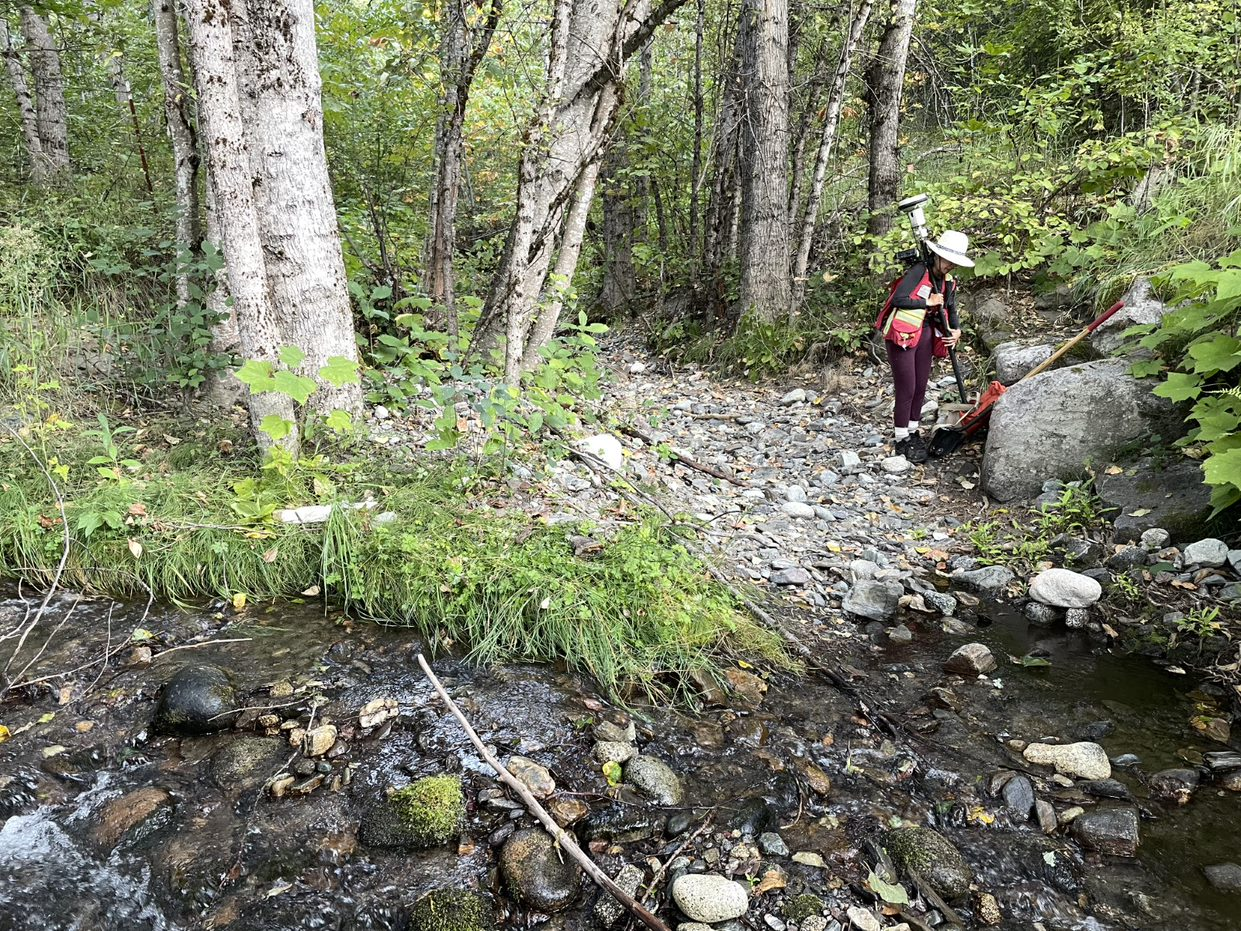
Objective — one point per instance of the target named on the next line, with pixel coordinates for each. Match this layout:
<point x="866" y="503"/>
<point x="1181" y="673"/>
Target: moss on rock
<point x="431" y="809"/>
<point x="933" y="857"/>
<point x="452" y="910"/>
<point x="801" y="907"/>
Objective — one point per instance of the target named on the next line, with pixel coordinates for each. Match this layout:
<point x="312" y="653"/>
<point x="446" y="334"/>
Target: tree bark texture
<point x="210" y="28"/>
<point x="764" y="242"/>
<point x="49" y="91"/>
<point x="183" y="136"/>
<point x="717" y="238"/>
<point x="463" y="49"/>
<point x="885" y="83"/>
<point x="831" y="123"/>
<point x="695" y="181"/>
<point x="305" y="268"/>
<point x="25" y="104"/>
<point x="619" y="222"/>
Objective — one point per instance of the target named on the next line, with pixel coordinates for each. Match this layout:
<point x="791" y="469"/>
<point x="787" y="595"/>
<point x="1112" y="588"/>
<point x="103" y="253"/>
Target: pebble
<point x="1209" y="552"/>
<point x="862" y="919"/>
<point x="613" y="751"/>
<point x="809" y="858"/>
<point x="796" y="396"/>
<point x="533" y="776"/>
<point x="655" y="779"/>
<point x="895" y="465"/>
<point x="799" y="510"/>
<point x="1084" y="759"/>
<point x="710" y="898"/>
<point x="772" y="844"/>
<point x="319" y="740"/>
<point x="972" y="659"/>
<point x="1155" y="539"/>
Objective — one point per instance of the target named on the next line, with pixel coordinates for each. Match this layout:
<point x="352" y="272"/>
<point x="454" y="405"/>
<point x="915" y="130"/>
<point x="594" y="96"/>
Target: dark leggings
<point x="911" y="368"/>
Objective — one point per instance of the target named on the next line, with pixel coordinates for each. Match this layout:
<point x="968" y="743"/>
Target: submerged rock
<point x="655" y="779"/>
<point x="710" y="898"/>
<point x="535" y="872"/>
<point x="933" y="857"/>
<point x="452" y="910"/>
<point x="608" y="910"/>
<point x="121" y="815"/>
<point x="1112" y="831"/>
<point x="196" y="700"/>
<point x="247" y="762"/>
<point x="1175" y="785"/>
<point x="1226" y="877"/>
<point x="425" y="813"/>
<point x="1084" y="760"/>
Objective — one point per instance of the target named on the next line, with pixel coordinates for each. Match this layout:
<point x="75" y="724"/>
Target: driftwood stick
<point x="678" y="456"/>
<point x="562" y="837"/>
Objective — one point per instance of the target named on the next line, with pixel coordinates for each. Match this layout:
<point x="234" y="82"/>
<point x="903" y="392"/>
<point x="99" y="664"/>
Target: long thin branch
<point x="562" y="837"/>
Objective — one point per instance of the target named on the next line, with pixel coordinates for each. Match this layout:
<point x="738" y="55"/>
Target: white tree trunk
<point x="49" y="91"/>
<point x="181" y="132"/>
<point x="279" y="70"/>
<point x="210" y="30"/>
<point x="566" y="266"/>
<point x="831" y="123"/>
<point x="764" y="243"/>
<point x="25" y="104"/>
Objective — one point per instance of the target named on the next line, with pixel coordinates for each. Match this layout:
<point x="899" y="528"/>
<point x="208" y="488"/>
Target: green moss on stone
<point x="452" y="910"/>
<point x="933" y="857"/>
<point x="431" y="809"/>
<point x="801" y="907"/>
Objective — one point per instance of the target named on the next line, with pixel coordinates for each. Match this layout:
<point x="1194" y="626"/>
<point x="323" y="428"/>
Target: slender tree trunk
<point x="463" y="51"/>
<point x="182" y="134"/>
<point x="831" y="124"/>
<point x="25" y="104"/>
<point x="717" y="239"/>
<point x="764" y="242"/>
<point x="210" y="32"/>
<point x="886" y="81"/>
<point x="619" y="222"/>
<point x="296" y="211"/>
<point x="566" y="265"/>
<point x="49" y="92"/>
<point x="695" y="181"/>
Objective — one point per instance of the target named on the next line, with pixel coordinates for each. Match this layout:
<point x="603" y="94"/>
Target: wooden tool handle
<point x="1086" y="331"/>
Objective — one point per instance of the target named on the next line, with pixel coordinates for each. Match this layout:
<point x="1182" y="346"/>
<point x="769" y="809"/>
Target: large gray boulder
<point x="992" y="318"/>
<point x="1013" y="361"/>
<point x="1052" y="425"/>
<point x="1141" y="307"/>
<point x="1146" y="496"/>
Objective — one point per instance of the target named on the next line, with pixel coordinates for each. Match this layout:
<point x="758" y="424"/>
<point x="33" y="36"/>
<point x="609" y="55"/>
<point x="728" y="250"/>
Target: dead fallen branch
<point x="678" y="456"/>
<point x="562" y="837"/>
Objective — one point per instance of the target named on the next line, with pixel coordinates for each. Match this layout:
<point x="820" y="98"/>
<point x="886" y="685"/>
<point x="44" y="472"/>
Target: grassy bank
<point x="163" y="511"/>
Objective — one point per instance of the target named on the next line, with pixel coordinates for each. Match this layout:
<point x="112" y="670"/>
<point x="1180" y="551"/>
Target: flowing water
<point x="216" y="853"/>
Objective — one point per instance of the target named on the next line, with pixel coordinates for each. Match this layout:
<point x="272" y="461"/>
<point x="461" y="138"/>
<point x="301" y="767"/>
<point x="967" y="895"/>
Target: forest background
<point x="442" y="204"/>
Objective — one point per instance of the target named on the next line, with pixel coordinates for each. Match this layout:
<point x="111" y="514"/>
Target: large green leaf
<point x="292" y="356"/>
<point x="340" y="371"/>
<point x="1217" y="353"/>
<point x="1180" y="387"/>
<point x="298" y="387"/>
<point x="256" y="374"/>
<point x="276" y="427"/>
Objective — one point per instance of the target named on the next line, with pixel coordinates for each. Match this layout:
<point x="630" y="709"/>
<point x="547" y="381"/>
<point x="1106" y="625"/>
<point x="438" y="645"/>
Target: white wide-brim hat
<point x="953" y="246"/>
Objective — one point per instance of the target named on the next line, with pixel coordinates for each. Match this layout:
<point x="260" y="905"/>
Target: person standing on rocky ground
<point x="910" y="323"/>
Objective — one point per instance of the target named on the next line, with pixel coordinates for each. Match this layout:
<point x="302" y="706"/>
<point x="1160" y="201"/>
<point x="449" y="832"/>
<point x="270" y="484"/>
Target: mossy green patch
<point x="452" y="910"/>
<point x="801" y="907"/>
<point x="933" y="857"/>
<point x="431" y="809"/>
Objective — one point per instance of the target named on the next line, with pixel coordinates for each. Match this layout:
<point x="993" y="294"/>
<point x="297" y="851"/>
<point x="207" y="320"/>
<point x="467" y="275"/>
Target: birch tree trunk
<point x="764" y="242"/>
<point x="886" y="82"/>
<point x="566" y="265"/>
<point x="210" y="28"/>
<point x="279" y="70"/>
<point x="591" y="41"/>
<point x="182" y="134"/>
<point x="25" y="104"/>
<point x="463" y="51"/>
<point x="831" y="123"/>
<point x="49" y="92"/>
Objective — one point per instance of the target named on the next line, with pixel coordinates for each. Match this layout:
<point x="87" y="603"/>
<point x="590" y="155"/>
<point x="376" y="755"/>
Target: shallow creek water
<point x="217" y="854"/>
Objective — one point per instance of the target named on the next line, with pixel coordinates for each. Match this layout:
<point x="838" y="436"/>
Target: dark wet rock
<point x="536" y="874"/>
<point x="942" y="602"/>
<point x="1172" y="498"/>
<point x="933" y="857"/>
<point x="1039" y="613"/>
<point x="1097" y="730"/>
<point x="1222" y="762"/>
<point x="988" y="579"/>
<point x="1175" y="785"/>
<point x="426" y="813"/>
<point x="1126" y="558"/>
<point x="1111" y="831"/>
<point x="1076" y="618"/>
<point x="625" y="824"/>
<point x="772" y="844"/>
<point x="1046" y="816"/>
<point x="1225" y="877"/>
<point x="710" y="898"/>
<point x="121" y="815"/>
<point x="945" y="698"/>
<point x="608" y="910"/>
<point x="900" y="635"/>
<point x="452" y="910"/>
<point x="196" y="700"/>
<point x="611" y="732"/>
<point x="1106" y="788"/>
<point x="247" y="762"/>
<point x="1077" y="552"/>
<point x="873" y="599"/>
<point x="654" y="779"/>
<point x="972" y="659"/>
<point x="1019" y="796"/>
<point x="754" y="816"/>
<point x="1053" y="425"/>
<point x="1126" y="761"/>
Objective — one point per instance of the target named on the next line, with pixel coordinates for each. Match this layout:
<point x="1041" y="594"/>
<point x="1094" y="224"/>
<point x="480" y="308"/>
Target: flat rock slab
<point x="1084" y="760"/>
<point x="1146" y="497"/>
<point x="1112" y="831"/>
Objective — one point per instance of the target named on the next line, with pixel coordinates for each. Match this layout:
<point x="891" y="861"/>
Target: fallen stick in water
<point x="561" y="836"/>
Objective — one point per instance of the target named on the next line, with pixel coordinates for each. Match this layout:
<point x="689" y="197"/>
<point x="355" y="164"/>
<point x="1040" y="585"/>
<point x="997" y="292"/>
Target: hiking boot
<point x="915" y="448"/>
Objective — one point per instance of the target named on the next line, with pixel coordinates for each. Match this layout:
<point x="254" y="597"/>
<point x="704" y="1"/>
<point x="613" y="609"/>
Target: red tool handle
<point x="1105" y="316"/>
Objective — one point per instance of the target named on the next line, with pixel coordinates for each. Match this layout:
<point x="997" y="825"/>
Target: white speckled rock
<point x="1084" y="760"/>
<point x="710" y="898"/>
